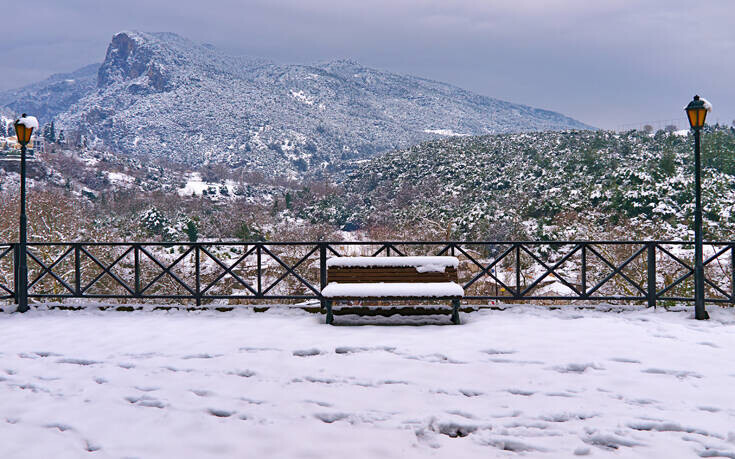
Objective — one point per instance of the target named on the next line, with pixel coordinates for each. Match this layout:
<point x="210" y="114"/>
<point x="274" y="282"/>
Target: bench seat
<point x="379" y="290"/>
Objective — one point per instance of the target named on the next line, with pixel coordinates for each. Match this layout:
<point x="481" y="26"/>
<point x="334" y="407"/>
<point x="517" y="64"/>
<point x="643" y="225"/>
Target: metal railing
<point x="650" y="272"/>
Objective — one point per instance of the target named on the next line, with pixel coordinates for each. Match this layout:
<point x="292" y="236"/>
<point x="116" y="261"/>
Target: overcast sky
<point x="605" y="62"/>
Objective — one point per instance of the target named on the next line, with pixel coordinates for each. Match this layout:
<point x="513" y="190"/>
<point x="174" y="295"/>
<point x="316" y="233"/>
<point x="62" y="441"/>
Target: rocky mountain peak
<point x="134" y="57"/>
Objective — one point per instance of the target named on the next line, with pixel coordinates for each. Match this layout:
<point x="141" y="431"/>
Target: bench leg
<point x="455" y="312"/>
<point x="330" y="316"/>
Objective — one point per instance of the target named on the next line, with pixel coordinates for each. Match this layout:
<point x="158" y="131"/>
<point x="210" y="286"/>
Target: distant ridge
<point x="160" y="94"/>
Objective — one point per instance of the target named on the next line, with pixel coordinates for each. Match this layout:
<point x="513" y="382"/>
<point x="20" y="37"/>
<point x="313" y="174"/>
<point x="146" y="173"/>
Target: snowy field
<point x="521" y="382"/>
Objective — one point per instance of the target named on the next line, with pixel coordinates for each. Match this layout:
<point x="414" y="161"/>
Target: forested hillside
<point x="550" y="185"/>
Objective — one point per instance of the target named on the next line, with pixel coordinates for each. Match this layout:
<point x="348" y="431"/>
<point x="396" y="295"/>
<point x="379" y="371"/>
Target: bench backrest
<point x="388" y="274"/>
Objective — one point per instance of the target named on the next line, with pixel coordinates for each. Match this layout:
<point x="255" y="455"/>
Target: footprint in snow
<point x="330" y="417"/>
<point x="91" y="446"/>
<point x="470" y="392"/>
<point x="201" y="356"/>
<point x="23" y="355"/>
<point x="624" y="360"/>
<point x="47" y="354"/>
<point x="319" y="403"/>
<point x="670" y="427"/>
<point x="312" y="379"/>
<point x="354" y="350"/>
<point x="146" y="388"/>
<point x="609" y="442"/>
<point x="679" y="374"/>
<point x="499" y="351"/>
<point x="176" y="370"/>
<point x="220" y="413"/>
<point x="577" y="367"/>
<point x="306" y="352"/>
<point x="146" y="401"/>
<point x="461" y="414"/>
<point x="242" y="373"/>
<point x="60" y="427"/>
<point x="525" y="393"/>
<point x="81" y="362"/>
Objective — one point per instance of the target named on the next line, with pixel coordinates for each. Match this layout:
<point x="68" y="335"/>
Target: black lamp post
<point x="23" y="129"/>
<point x="697" y="112"/>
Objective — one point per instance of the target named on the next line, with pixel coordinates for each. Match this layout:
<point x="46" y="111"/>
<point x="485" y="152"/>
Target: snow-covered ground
<point x="524" y="381"/>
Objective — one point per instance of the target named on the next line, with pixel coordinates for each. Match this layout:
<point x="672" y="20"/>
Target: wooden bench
<point x="392" y="278"/>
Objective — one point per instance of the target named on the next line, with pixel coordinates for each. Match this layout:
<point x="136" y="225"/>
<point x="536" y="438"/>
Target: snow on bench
<point x="375" y="278"/>
<point x="422" y="264"/>
<point x="394" y="290"/>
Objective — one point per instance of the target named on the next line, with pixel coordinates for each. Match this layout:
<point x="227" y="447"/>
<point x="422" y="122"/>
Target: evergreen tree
<point x="49" y="133"/>
<point x="288" y="200"/>
<point x="191" y="231"/>
<point x="62" y="139"/>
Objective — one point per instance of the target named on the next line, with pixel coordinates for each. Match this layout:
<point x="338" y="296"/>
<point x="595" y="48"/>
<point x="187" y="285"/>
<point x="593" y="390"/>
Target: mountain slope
<point x="51" y="96"/>
<point x="163" y="95"/>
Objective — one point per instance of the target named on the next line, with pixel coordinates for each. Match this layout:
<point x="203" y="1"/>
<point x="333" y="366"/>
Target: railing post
<point x="651" y="275"/>
<point x="15" y="272"/>
<point x="518" y="271"/>
<point x="77" y="271"/>
<point x="732" y="273"/>
<point x="325" y="304"/>
<point x="584" y="270"/>
<point x="258" y="251"/>
<point x="197" y="275"/>
<point x="136" y="267"/>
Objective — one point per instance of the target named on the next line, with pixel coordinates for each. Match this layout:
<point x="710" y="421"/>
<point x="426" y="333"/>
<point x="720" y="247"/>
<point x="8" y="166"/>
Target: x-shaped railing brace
<point x="486" y="270"/>
<point x="616" y="270"/>
<point x="551" y="270"/>
<point x="291" y="270"/>
<point x="167" y="270"/>
<point x="106" y="269"/>
<point x="228" y="270"/>
<point x="690" y="271"/>
<point x="49" y="269"/>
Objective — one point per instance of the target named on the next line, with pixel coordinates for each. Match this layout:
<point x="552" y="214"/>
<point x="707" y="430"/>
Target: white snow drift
<point x="524" y="381"/>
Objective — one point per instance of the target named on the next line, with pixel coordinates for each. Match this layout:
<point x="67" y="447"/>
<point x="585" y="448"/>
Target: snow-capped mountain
<point x="51" y="96"/>
<point x="163" y="95"/>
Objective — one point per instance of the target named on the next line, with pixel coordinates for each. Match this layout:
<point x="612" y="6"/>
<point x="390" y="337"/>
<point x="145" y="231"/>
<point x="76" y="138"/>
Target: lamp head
<point x="24" y="127"/>
<point x="697" y="112"/>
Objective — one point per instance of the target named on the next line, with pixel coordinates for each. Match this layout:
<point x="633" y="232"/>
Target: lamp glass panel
<point x="20" y="132"/>
<point x="701" y="116"/>
<point x="692" y="114"/>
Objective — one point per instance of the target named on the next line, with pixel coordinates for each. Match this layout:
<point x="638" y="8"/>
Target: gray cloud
<point x="607" y="63"/>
